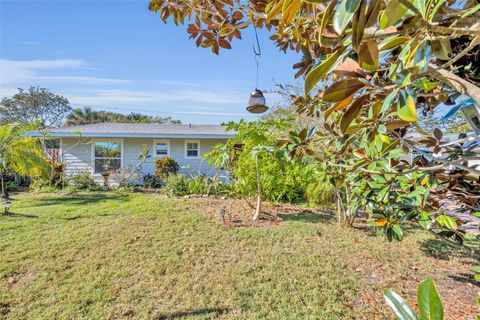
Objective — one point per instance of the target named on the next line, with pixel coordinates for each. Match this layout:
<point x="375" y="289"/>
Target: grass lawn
<point x="145" y="256"/>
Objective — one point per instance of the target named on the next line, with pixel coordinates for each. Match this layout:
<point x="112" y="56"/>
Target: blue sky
<point x="118" y="56"/>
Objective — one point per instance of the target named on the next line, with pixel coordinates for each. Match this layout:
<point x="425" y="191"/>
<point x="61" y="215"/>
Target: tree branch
<point x="461" y="85"/>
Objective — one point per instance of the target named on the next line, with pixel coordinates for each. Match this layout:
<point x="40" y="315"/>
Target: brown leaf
<point x="352" y="112"/>
<point x="349" y="68"/>
<point x="358" y="25"/>
<point x="368" y="55"/>
<point x="341" y="90"/>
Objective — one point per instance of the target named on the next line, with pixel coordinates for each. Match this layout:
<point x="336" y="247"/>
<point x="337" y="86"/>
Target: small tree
<point x="33" y="104"/>
<point x="19" y="153"/>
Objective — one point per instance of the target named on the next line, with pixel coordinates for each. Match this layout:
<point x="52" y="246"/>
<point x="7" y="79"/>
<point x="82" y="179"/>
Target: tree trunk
<point x="345" y="216"/>
<point x="3" y="178"/>
<point x="259" y="191"/>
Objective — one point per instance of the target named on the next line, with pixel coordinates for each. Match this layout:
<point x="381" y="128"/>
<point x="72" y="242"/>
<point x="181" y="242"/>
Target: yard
<point x="146" y="256"/>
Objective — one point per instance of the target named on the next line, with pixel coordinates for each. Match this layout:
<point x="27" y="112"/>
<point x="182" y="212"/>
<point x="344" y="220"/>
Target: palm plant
<point x="19" y="153"/>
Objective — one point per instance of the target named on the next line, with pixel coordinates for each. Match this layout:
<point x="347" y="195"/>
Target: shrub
<point x="180" y="185"/>
<point x="164" y="167"/>
<point x="320" y="194"/>
<point x="177" y="184"/>
<point x="12" y="186"/>
<point x="41" y="185"/>
<point x="151" y="181"/>
<point x="81" y="180"/>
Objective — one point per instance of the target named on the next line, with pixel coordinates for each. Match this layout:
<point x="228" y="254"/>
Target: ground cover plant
<point x="148" y="256"/>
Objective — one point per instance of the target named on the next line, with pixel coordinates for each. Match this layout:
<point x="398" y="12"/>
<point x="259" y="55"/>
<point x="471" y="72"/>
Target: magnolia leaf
<point x="441" y="48"/>
<point x="277" y="9"/>
<point x="398" y="232"/>
<point x="321" y="70"/>
<point x="341" y="90"/>
<point x="429" y="302"/>
<point x="396" y="124"/>
<point x="349" y="68"/>
<point x="400" y="307"/>
<point x="392" y="14"/>
<point x="368" y="55"/>
<point x="352" y="112"/>
<point x="358" y="25"/>
<point x="408" y="112"/>
<point x="325" y="18"/>
<point x="447" y="222"/>
<point x="372" y="12"/>
<point x="290" y="10"/>
<point x="392" y="42"/>
<point x="344" y="14"/>
<point x="426" y="85"/>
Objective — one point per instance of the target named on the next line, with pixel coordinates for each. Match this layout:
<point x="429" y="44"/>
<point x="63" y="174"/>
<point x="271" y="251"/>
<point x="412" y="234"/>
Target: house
<point x="95" y="147"/>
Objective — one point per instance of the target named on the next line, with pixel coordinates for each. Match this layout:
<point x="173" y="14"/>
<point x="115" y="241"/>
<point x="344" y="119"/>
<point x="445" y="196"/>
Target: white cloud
<point x="32" y="72"/>
<point x="117" y="97"/>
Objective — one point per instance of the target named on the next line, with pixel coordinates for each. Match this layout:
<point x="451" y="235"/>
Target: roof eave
<point x="54" y="134"/>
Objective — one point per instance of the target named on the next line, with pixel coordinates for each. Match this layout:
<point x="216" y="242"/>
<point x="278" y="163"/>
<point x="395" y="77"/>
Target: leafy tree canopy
<point x="86" y="115"/>
<point x="32" y="104"/>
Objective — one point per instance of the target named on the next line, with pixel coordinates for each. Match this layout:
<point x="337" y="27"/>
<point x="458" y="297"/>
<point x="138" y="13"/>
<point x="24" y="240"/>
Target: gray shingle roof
<point x="125" y="130"/>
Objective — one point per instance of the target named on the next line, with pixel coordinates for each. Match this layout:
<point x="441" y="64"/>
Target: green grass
<point x="114" y="256"/>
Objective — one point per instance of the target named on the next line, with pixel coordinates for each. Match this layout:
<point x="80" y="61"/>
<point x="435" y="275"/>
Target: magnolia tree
<point x="371" y="69"/>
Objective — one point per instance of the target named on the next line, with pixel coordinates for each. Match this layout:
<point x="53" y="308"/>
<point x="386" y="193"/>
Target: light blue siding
<point x="77" y="154"/>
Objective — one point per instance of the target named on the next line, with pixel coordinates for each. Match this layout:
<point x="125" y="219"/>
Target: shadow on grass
<point x="77" y="199"/>
<point x="191" y="313"/>
<point x="307" y="217"/>
<point x="18" y="215"/>
<point x="465" y="278"/>
<point x="437" y="249"/>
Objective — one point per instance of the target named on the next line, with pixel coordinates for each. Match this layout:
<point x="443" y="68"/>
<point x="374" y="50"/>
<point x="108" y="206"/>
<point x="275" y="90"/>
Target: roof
<point x="141" y="130"/>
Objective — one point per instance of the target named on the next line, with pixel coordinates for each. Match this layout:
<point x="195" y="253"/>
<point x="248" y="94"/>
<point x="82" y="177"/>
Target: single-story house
<point x="92" y="147"/>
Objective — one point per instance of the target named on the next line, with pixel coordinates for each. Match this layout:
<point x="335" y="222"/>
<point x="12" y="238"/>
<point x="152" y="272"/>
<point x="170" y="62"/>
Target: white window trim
<point x="192" y="141"/>
<point x="154" y="149"/>
<point x="122" y="150"/>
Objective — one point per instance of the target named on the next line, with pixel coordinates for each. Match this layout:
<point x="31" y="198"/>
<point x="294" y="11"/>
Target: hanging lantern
<point x="256" y="103"/>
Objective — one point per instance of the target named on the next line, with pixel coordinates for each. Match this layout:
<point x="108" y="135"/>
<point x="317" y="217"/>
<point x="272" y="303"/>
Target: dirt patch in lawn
<point x="452" y="272"/>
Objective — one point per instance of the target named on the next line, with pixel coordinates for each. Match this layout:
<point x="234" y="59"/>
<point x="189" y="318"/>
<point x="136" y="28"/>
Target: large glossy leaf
<point x="368" y="55"/>
<point x="392" y="42"/>
<point x="290" y="9"/>
<point x="429" y="301"/>
<point x="344" y="14"/>
<point x="326" y="16"/>
<point x="408" y="112"/>
<point x="275" y="10"/>
<point x="320" y="71"/>
<point x="352" y="113"/>
<point x="392" y="14"/>
<point x="441" y="48"/>
<point x="358" y="25"/>
<point x="341" y="90"/>
<point x="372" y="12"/>
<point x="447" y="222"/>
<point x="400" y="307"/>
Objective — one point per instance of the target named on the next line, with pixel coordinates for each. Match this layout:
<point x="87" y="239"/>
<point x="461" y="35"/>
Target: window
<point x="161" y="148"/>
<point x="192" y="148"/>
<point x="107" y="156"/>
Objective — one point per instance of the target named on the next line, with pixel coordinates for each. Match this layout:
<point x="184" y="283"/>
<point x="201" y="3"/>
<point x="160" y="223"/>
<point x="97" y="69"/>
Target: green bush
<point x="151" y="181"/>
<point x="177" y="184"/>
<point x="41" y="185"/>
<point x="180" y="185"/>
<point x="165" y="167"/>
<point x="81" y="180"/>
<point x="320" y="194"/>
